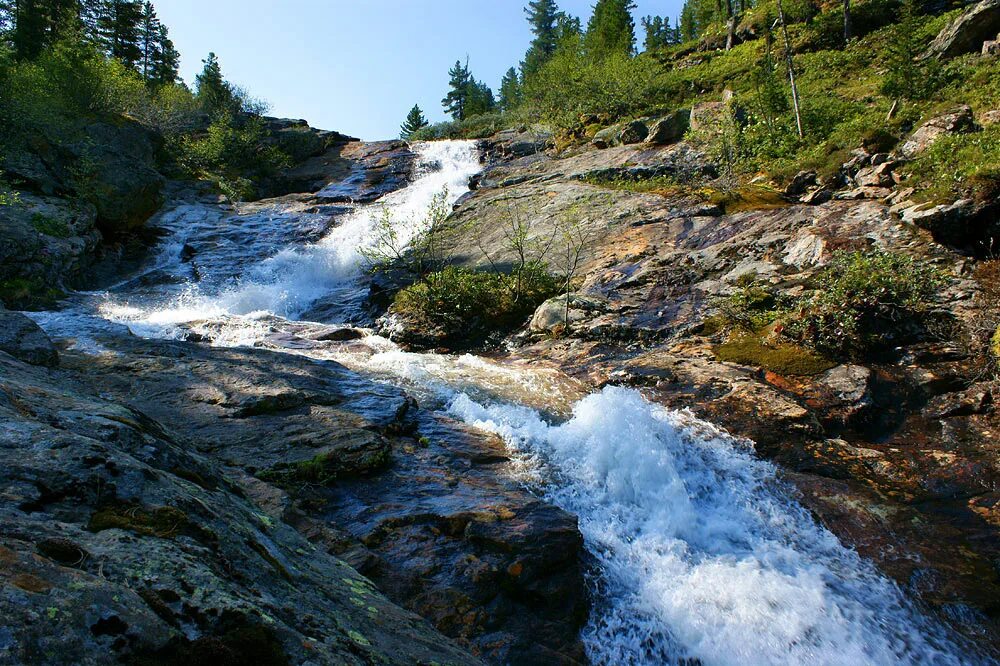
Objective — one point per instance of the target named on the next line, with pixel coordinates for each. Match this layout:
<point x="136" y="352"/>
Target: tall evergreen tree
<point x="479" y="100"/>
<point x="510" y="90"/>
<point x="166" y="61"/>
<point x="688" y="24"/>
<point x="149" y="40"/>
<point x="456" y="100"/>
<point x="415" y="120"/>
<point x="214" y="94"/>
<point x="611" y="29"/>
<point x="38" y="23"/>
<point x="658" y="33"/>
<point x="119" y="26"/>
<point x="543" y="15"/>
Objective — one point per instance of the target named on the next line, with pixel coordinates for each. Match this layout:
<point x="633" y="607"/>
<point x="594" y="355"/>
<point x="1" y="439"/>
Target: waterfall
<point x="699" y="550"/>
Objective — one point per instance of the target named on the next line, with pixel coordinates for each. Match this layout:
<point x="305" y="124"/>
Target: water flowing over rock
<point x="539" y="505"/>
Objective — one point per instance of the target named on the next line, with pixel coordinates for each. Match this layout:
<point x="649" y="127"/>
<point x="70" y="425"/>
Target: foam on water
<point x="700" y="551"/>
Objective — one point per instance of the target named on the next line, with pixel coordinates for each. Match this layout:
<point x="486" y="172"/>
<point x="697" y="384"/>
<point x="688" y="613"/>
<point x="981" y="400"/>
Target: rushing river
<point x="699" y="550"/>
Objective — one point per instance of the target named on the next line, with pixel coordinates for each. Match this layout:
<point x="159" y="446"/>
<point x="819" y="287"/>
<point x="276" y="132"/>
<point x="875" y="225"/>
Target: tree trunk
<point x="847" y="21"/>
<point x="730" y="25"/>
<point x="791" y="70"/>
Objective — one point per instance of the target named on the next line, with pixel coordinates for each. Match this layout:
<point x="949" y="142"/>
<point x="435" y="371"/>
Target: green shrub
<point x="865" y="302"/>
<point x="28" y="294"/>
<point x="960" y="165"/>
<point x="752" y="305"/>
<point x="476" y="127"/>
<point x="473" y="305"/>
<point x="50" y="226"/>
<point x="232" y="153"/>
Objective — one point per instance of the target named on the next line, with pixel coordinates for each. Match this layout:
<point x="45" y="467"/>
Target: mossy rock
<point x="995" y="343"/>
<point x="164" y="522"/>
<point x="28" y="294"/>
<point x="782" y="358"/>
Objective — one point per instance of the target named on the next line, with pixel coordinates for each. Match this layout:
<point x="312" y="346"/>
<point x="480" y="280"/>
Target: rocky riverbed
<point x="197" y="470"/>
<point x="898" y="456"/>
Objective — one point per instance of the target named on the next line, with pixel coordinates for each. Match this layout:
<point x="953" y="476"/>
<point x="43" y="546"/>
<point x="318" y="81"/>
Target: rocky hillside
<point x="893" y="450"/>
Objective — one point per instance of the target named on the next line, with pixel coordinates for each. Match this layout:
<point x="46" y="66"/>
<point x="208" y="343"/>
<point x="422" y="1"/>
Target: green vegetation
<point x="325" y="468"/>
<point x="782" y="357"/>
<point x="995" y="343"/>
<point x="50" y="227"/>
<point x="752" y="305"/>
<point x="862" y="304"/>
<point x="858" y="82"/>
<point x="415" y="121"/>
<point x="164" y="522"/>
<point x="867" y="301"/>
<point x="65" y="65"/>
<point x="28" y="294"/>
<point x="961" y="165"/>
<point x="472" y="305"/>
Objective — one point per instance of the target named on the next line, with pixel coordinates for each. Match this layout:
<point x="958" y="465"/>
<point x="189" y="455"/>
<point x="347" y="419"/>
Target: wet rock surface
<point x="423" y="508"/>
<point x="897" y="456"/>
<point x="120" y="540"/>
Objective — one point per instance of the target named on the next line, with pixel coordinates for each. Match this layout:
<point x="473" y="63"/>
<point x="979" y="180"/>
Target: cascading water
<point x="700" y="552"/>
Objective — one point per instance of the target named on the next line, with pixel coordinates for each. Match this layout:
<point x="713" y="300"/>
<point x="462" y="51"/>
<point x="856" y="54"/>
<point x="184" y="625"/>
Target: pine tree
<point x="479" y="100"/>
<point x="149" y="40"/>
<point x="214" y="94"/>
<point x="166" y="62"/>
<point x="38" y="23"/>
<point x="611" y="29"/>
<point x="415" y="120"/>
<point x="119" y="25"/>
<point x="543" y="15"/>
<point x="688" y="25"/>
<point x="458" y="96"/>
<point x="658" y="33"/>
<point x="510" y="90"/>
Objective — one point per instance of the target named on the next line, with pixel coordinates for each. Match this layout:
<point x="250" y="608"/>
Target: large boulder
<point x="956" y="121"/>
<point x="670" y="129"/>
<point x="634" y="132"/>
<point x="552" y="316"/>
<point x="43" y="239"/>
<point x="606" y="137"/>
<point x="968" y="32"/>
<point x="707" y="117"/>
<point x="112" y="167"/>
<point x="24" y="340"/>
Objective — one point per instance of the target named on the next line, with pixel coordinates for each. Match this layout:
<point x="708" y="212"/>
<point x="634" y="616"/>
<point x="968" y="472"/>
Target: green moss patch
<point x="28" y="294"/>
<point x="50" y="226"/>
<point x="165" y="522"/>
<point x="995" y="343"/>
<point x="782" y="358"/>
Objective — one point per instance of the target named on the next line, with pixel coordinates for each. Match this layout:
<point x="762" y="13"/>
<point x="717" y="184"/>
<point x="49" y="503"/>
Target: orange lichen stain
<point x="30" y="583"/>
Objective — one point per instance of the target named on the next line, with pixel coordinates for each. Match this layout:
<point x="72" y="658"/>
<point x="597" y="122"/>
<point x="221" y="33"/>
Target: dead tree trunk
<point x="791" y="70"/>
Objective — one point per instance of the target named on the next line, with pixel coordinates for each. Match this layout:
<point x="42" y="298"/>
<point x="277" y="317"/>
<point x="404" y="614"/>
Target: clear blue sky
<point x="357" y="66"/>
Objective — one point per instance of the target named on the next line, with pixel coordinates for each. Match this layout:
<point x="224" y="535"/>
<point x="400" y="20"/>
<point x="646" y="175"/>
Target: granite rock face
<point x="419" y="505"/>
<point x="121" y="541"/>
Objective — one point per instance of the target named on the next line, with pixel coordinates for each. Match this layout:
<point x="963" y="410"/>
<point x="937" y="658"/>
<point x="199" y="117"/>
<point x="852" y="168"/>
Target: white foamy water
<point x="700" y="553"/>
<point x="291" y="279"/>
